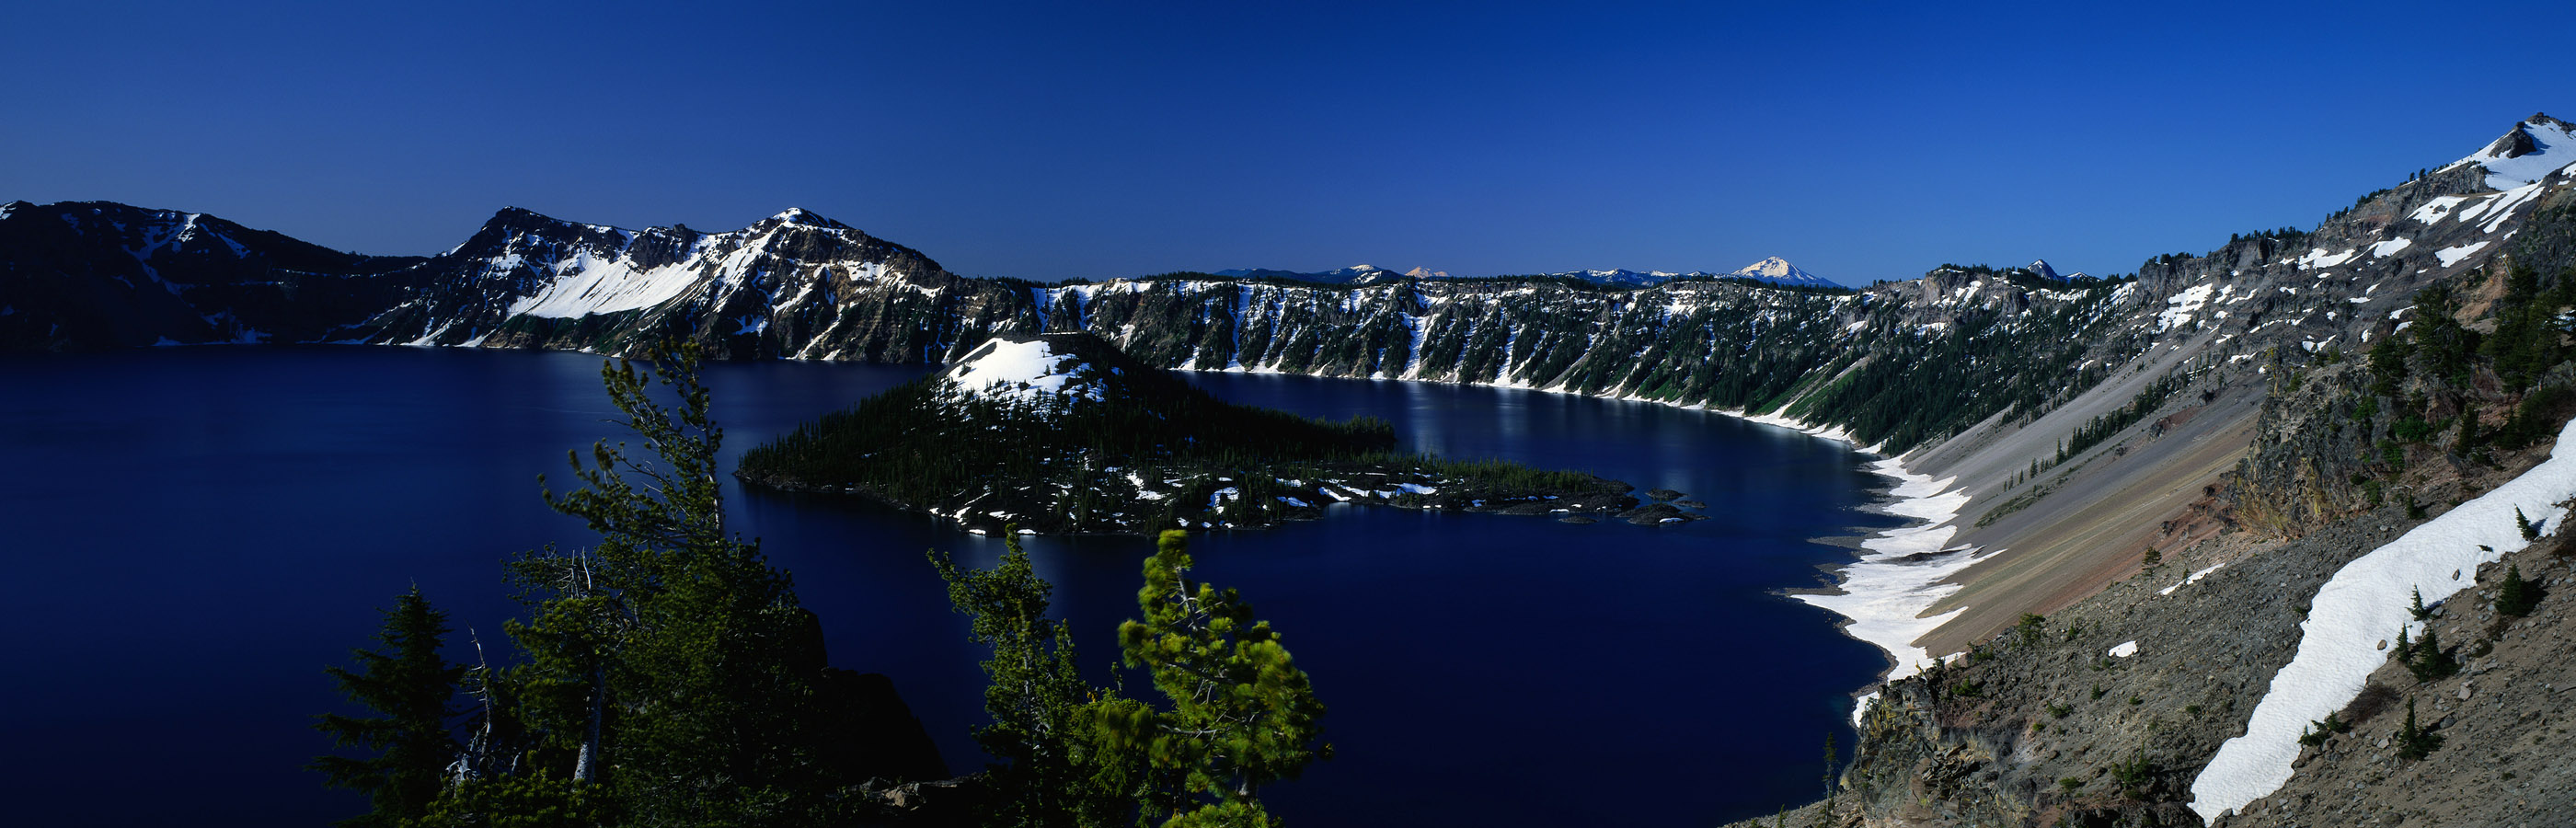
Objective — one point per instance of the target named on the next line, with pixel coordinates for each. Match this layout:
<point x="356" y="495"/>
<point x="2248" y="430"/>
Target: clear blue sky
<point x="1050" y="140"/>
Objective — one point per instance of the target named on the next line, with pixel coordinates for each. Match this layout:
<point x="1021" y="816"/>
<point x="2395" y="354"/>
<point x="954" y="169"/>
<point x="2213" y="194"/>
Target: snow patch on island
<point x="1022" y="372"/>
<point x="2363" y="604"/>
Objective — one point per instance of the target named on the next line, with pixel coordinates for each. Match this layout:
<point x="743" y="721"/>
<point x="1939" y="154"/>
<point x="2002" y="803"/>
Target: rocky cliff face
<point x="794" y="285"/>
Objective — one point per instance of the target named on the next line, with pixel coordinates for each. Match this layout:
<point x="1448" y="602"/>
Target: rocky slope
<point x="2385" y="419"/>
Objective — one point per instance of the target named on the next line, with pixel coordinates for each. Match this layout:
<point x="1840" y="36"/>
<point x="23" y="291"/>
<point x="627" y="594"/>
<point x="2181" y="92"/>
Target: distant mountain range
<point x="1775" y="270"/>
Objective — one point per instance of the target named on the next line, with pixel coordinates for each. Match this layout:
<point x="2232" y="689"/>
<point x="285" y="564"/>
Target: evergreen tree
<point x="2530" y="531"/>
<point x="2432" y="662"/>
<point x="411" y="686"/>
<point x="2413" y="741"/>
<point x="1830" y="757"/>
<point x="670" y="652"/>
<point x="2516" y="597"/>
<point x="1050" y="772"/>
<point x="2405" y="648"/>
<point x="2418" y="610"/>
<point x="1242" y="714"/>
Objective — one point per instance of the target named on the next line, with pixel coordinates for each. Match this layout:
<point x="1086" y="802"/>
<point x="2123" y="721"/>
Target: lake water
<point x="192" y="534"/>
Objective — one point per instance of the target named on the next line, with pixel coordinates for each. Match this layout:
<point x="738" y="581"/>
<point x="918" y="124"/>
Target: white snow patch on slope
<point x="2364" y="603"/>
<point x="2125" y="650"/>
<point x="2384" y="249"/>
<point x="2318" y="258"/>
<point x="2502" y="207"/>
<point x="2451" y="256"/>
<point x="2184" y="304"/>
<point x="2196" y="576"/>
<point x="1020" y="371"/>
<point x="587" y="284"/>
<point x="2435" y="211"/>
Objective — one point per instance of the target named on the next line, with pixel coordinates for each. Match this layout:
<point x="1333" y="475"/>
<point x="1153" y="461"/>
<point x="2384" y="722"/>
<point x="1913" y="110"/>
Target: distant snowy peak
<point x="2532" y="150"/>
<point x="2040" y="268"/>
<point x="1779" y="271"/>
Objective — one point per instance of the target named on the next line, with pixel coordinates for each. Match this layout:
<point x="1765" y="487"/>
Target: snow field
<point x="2365" y="603"/>
<point x="1020" y="371"/>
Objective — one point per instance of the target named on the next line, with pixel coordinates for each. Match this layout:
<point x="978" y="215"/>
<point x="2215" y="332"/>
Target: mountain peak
<point x="802" y="217"/>
<point x="1780" y="271"/>
<point x="2533" y="149"/>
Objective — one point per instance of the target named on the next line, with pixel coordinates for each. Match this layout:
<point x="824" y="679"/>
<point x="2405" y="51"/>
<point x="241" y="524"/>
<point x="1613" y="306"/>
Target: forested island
<point x="1064" y="434"/>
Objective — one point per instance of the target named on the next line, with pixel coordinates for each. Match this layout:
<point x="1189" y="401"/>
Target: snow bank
<point x="2436" y="210"/>
<point x="1021" y="371"/>
<point x="2125" y="650"/>
<point x="2318" y="259"/>
<point x="1900" y="571"/>
<point x="1899" y="575"/>
<point x="2451" y="256"/>
<point x="2364" y="603"/>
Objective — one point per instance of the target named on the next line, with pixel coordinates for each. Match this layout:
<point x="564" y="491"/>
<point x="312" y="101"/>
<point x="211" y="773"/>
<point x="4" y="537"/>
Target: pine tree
<point x="671" y="652"/>
<point x="411" y="686"/>
<point x="2418" y="610"/>
<point x="2405" y="648"/>
<point x="2529" y="530"/>
<point x="1242" y="714"/>
<point x="1830" y="757"/>
<point x="2152" y="559"/>
<point x="1050" y="771"/>
<point x="2432" y="663"/>
<point x="2516" y="597"/>
<point x="2413" y="741"/>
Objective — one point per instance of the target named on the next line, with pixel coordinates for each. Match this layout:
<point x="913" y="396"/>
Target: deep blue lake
<point x="192" y="534"/>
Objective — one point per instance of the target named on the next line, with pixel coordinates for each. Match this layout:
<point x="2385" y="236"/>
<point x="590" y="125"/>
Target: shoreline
<point x="1898" y="572"/>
